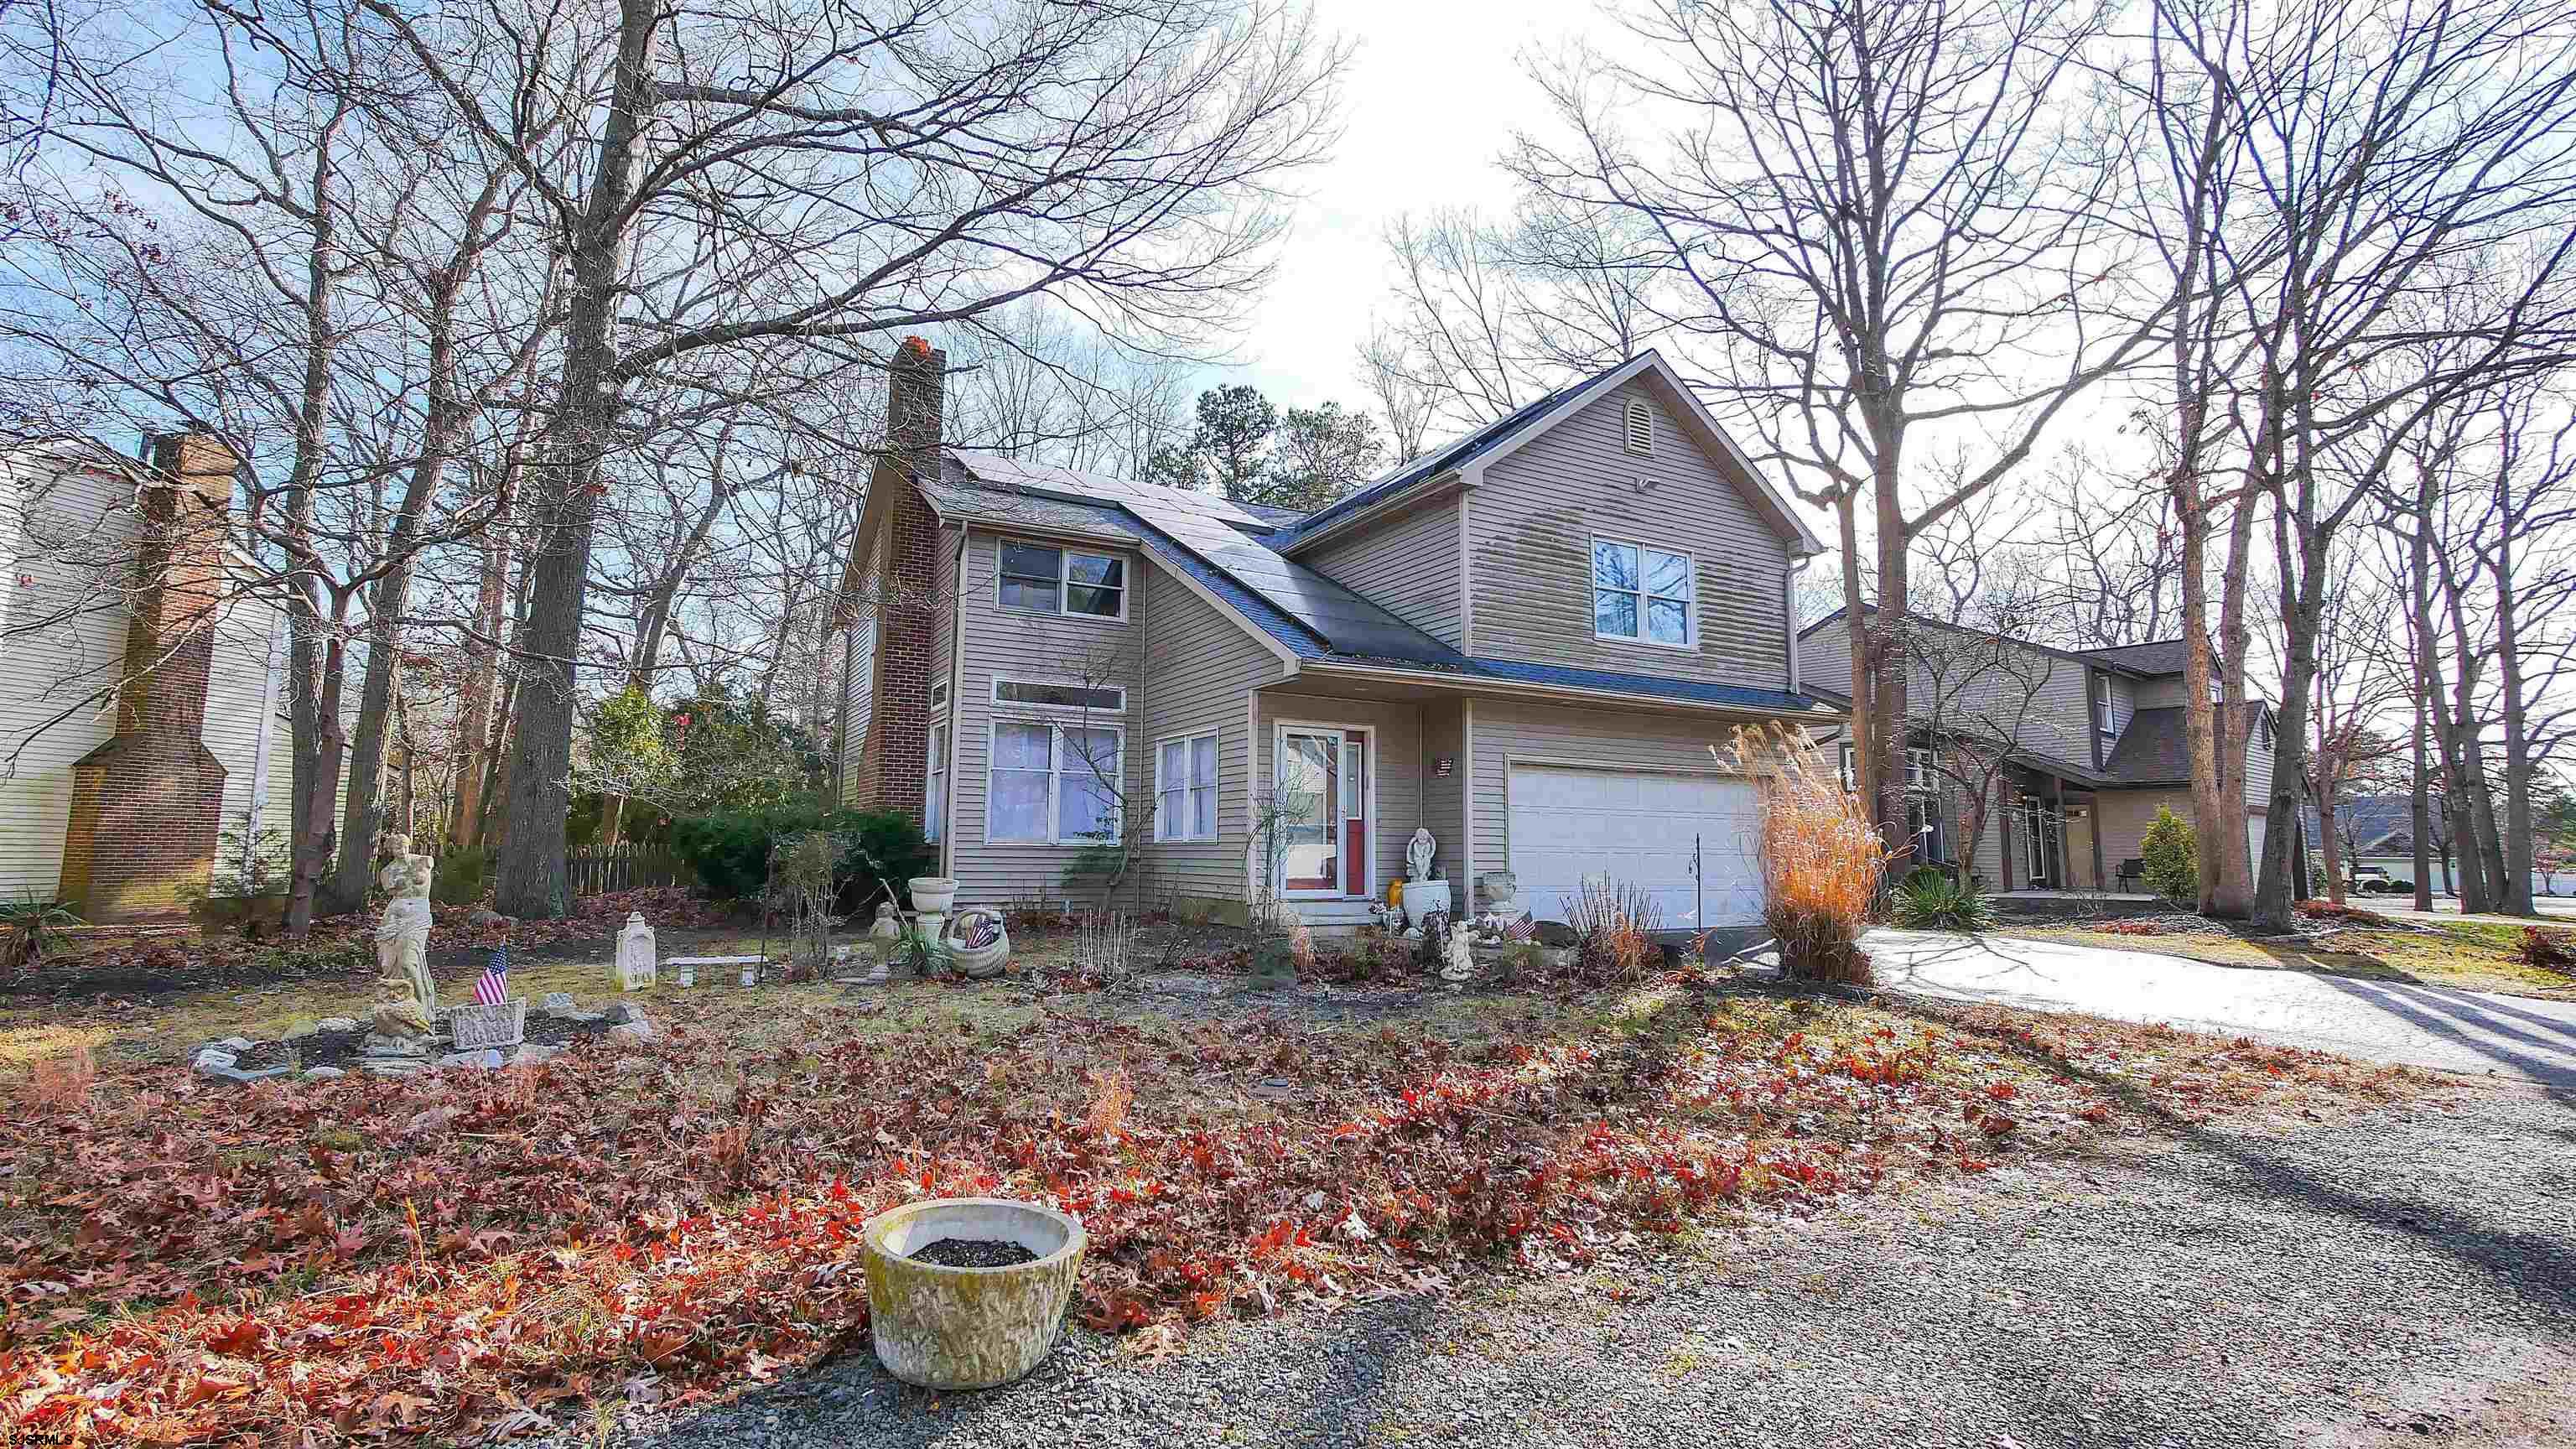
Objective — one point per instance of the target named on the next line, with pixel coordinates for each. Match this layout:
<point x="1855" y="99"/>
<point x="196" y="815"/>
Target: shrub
<point x="31" y="928"/>
<point x="464" y="877"/>
<point x="2548" y="950"/>
<point x="1613" y="927"/>
<point x="1822" y="859"/>
<point x="879" y="851"/>
<point x="1933" y="901"/>
<point x="2171" y="853"/>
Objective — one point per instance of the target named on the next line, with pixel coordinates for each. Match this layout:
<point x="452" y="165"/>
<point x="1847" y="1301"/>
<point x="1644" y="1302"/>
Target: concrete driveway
<point x="2426" y="1026"/>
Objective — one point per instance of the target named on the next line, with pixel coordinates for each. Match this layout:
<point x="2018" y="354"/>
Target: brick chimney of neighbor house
<point x="148" y="803"/>
<point x="894" y="761"/>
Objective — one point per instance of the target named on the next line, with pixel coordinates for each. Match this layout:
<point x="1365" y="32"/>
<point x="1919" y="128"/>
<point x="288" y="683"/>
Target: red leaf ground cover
<point x="364" y="1259"/>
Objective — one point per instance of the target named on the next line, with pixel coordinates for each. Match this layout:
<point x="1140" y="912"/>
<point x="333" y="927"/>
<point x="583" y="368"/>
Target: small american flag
<point x="494" y="988"/>
<point x="1522" y="929"/>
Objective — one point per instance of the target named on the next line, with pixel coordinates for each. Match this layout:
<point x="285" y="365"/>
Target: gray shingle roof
<point x="1311" y="616"/>
<point x="2157" y="656"/>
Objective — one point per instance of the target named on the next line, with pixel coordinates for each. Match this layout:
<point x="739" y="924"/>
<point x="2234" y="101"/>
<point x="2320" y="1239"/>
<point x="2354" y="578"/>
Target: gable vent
<point x="1641" y="429"/>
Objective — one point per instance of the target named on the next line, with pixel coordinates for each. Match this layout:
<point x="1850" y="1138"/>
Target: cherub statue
<point x="402" y="936"/>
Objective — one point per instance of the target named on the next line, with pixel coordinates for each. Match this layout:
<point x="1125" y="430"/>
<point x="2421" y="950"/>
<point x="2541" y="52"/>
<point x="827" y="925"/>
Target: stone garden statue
<point x="402" y="936"/>
<point x="1417" y="855"/>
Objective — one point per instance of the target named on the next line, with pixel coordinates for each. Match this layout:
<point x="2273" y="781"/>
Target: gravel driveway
<point x="2390" y="1021"/>
<point x="2395" y="1277"/>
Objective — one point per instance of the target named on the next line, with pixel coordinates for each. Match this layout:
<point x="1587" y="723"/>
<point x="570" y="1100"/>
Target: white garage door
<point x="1637" y="828"/>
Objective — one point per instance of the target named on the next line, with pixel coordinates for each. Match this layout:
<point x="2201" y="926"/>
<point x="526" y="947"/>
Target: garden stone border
<point x="220" y="1060"/>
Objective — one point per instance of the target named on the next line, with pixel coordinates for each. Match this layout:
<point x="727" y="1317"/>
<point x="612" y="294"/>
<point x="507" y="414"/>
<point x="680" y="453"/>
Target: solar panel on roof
<point x="1349" y="623"/>
<point x="1100" y="487"/>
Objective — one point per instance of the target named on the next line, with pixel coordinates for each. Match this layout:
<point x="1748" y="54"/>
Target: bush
<point x="1931" y="901"/>
<point x="2548" y="950"/>
<point x="879" y="851"/>
<point x="464" y="877"/>
<point x="1822" y="859"/>
<point x="1613" y="926"/>
<point x="31" y="928"/>
<point x="2171" y="853"/>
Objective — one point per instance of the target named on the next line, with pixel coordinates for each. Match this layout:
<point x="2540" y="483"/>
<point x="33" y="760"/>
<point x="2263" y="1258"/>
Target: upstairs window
<point x="1640" y="428"/>
<point x="1056" y="694"/>
<point x="2102" y="705"/>
<point x="1641" y="594"/>
<point x="1038" y="579"/>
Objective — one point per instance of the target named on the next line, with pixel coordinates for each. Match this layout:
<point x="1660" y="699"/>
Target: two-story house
<point x="2096" y="748"/>
<point x="1532" y="642"/>
<point x="141" y="727"/>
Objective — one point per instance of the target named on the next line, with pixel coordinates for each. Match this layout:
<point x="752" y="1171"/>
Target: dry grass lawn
<point x="361" y="1259"/>
<point x="2471" y="955"/>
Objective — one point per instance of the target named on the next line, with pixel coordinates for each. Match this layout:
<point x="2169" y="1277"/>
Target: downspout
<point x="1789" y="609"/>
<point x="956" y="708"/>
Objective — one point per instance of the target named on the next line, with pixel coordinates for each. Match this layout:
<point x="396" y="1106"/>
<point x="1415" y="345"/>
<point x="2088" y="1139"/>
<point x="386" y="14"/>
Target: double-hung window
<point x="934" y="810"/>
<point x="1052" y="784"/>
<point x="1641" y="593"/>
<point x="1043" y="579"/>
<point x="1185" y="788"/>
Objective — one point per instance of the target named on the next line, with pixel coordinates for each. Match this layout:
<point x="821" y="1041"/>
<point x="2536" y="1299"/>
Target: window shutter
<point x="1641" y="428"/>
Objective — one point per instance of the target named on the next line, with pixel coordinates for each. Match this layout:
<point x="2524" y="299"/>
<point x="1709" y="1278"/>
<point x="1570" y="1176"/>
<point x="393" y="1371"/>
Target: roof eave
<point x="1484" y="684"/>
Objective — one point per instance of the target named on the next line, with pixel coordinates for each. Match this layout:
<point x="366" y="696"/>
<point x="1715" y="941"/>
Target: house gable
<point x="1535" y="509"/>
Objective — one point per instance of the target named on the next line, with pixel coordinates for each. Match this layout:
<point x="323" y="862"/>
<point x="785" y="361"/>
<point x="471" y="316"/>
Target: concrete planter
<point x="933" y="894"/>
<point x="968" y="1328"/>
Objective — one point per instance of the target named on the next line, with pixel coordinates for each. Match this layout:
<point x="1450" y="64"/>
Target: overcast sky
<point x="1433" y="95"/>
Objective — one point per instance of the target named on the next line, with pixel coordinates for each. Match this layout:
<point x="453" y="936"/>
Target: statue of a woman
<point x="402" y="936"/>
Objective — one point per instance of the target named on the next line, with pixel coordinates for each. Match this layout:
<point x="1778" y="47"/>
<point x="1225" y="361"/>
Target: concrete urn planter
<point x="933" y="894"/>
<point x="968" y="1328"/>
<point x="1422" y="897"/>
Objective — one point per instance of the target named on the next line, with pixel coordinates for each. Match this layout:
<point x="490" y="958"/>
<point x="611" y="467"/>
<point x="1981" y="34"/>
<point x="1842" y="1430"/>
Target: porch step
<point x="1334" y="917"/>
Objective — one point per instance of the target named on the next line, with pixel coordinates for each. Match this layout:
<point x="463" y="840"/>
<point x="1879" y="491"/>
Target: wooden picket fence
<point x="599" y="869"/>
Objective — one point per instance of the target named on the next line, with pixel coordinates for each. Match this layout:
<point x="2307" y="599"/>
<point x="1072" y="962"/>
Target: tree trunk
<point x="531" y="881"/>
<point x="2515" y="897"/>
<point x="306" y="878"/>
<point x="1856" y="625"/>
<point x="1890" y="659"/>
<point x="478" y="766"/>
<point x="2419" y="630"/>
<point x="2324" y="787"/>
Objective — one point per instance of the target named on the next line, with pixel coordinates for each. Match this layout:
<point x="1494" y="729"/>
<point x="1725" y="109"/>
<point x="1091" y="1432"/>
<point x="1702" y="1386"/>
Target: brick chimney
<point x="894" y="760"/>
<point x="148" y="803"/>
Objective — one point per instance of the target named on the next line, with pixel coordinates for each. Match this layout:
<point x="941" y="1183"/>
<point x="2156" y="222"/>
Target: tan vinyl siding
<point x="2163" y="692"/>
<point x="2125" y="816"/>
<point x="1444" y="802"/>
<point x="2043" y="698"/>
<point x="1395" y="754"/>
<point x="1825" y="659"/>
<point x="1509" y="730"/>
<point x="1028" y="646"/>
<point x="1203" y="667"/>
<point x="1532" y="519"/>
<point x="1407" y="566"/>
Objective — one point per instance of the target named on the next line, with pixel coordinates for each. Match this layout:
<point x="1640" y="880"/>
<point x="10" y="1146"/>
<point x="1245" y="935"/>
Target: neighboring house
<point x="142" y="718"/>
<point x="1532" y="642"/>
<point x="2096" y="748"/>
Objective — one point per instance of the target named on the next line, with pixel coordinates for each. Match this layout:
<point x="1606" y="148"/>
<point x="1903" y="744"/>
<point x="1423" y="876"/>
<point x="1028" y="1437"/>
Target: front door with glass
<point x="1323" y="805"/>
